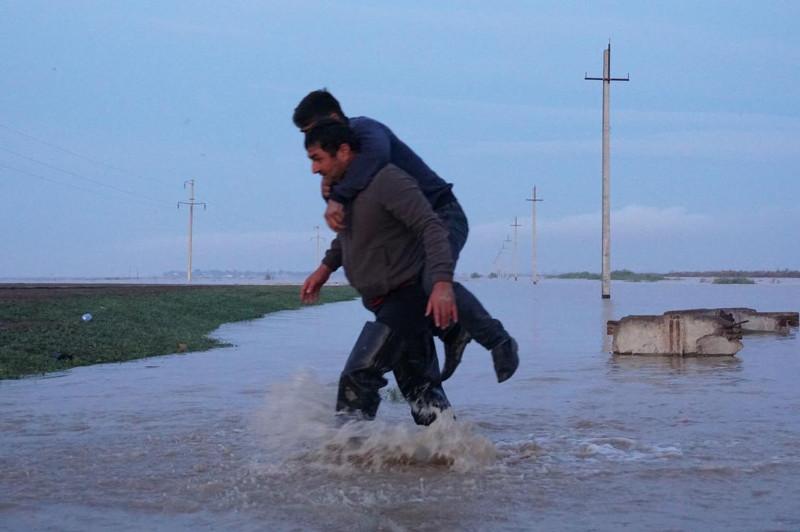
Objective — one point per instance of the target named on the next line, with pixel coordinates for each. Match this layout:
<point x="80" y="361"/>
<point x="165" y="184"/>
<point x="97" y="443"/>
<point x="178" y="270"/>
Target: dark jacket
<point x="379" y="147"/>
<point x="391" y="231"/>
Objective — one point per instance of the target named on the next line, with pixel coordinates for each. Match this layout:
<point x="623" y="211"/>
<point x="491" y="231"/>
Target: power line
<point x="75" y="154"/>
<point x="51" y="180"/>
<point x="79" y="176"/>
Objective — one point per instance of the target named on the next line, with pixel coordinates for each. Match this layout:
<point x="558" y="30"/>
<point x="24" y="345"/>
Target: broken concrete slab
<point x="677" y="333"/>
<point x="751" y="320"/>
<point x="715" y="331"/>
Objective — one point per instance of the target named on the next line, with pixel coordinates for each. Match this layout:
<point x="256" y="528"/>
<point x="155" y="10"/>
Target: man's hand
<point x="334" y="215"/>
<point x="325" y="187"/>
<point x="311" y="287"/>
<point x="442" y="304"/>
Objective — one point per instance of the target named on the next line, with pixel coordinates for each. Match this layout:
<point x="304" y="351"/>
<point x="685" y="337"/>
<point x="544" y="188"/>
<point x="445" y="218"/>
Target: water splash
<point x="297" y="425"/>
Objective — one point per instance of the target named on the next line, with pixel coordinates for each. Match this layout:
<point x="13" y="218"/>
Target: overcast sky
<point x="106" y="108"/>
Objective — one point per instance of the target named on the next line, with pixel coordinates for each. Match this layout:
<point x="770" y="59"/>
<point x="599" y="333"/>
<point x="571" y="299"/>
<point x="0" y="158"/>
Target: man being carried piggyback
<point x="378" y="146"/>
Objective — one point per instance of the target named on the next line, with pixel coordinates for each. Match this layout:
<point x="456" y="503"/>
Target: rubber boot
<point x="373" y="354"/>
<point x="505" y="358"/>
<point x="417" y="375"/>
<point x="455" y="341"/>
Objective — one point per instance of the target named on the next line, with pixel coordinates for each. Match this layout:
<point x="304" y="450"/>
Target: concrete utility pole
<point x="318" y="238"/>
<point x="499" y="254"/>
<point x="496" y="262"/>
<point x="191" y="203"/>
<point x="515" y="225"/>
<point x="606" y="79"/>
<point x="533" y="200"/>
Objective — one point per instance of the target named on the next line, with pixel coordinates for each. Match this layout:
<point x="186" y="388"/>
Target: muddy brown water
<point x="243" y="438"/>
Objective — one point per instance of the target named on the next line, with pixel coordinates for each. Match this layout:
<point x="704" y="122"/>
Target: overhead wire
<point x="75" y="154"/>
<point x="83" y="177"/>
<point x="80" y="176"/>
<point x="51" y="180"/>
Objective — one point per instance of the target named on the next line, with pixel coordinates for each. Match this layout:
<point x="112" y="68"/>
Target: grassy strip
<point x="616" y="275"/>
<point x="47" y="334"/>
<point x="733" y="280"/>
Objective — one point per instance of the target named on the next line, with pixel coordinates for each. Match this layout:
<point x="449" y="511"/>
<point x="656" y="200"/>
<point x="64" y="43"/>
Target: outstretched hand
<point x="309" y="293"/>
<point x="442" y="305"/>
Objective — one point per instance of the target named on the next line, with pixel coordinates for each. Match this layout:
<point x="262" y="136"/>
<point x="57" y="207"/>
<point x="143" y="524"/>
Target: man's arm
<point x="374" y="153"/>
<point x="403" y="198"/>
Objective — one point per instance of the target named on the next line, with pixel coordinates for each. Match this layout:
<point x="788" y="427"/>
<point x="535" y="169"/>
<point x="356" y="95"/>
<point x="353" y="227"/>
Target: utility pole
<point x="318" y="238"/>
<point x="515" y="225"/>
<point x="191" y="203"/>
<point x="505" y="246"/>
<point x="499" y="254"/>
<point x="606" y="79"/>
<point x="533" y="200"/>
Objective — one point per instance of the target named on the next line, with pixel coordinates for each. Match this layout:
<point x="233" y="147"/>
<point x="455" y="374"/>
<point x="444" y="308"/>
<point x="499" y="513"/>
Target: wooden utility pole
<point x="191" y="203"/>
<point x="606" y="79"/>
<point x="533" y="200"/>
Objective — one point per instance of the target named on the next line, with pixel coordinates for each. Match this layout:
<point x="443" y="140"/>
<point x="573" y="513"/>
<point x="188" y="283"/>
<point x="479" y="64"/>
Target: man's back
<point x="391" y="231"/>
<point x="379" y="147"/>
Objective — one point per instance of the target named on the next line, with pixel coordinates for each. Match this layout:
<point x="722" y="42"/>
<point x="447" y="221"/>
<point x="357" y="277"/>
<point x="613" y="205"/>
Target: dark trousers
<point x="408" y="351"/>
<point x="486" y="330"/>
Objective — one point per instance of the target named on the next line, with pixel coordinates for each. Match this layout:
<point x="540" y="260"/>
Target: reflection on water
<point x="608" y="315"/>
<point x="244" y="438"/>
<point x="668" y="365"/>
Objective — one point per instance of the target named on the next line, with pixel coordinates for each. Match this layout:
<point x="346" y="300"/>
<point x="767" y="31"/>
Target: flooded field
<point x="243" y="437"/>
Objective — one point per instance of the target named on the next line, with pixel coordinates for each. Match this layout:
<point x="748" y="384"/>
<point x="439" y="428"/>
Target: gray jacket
<point x="391" y="233"/>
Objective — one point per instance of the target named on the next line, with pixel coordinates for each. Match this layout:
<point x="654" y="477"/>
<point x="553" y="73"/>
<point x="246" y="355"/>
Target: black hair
<point x="330" y="135"/>
<point x="315" y="106"/>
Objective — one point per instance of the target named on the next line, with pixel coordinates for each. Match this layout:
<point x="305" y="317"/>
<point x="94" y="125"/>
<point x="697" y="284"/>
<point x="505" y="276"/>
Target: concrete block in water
<point x="683" y="333"/>
<point x="752" y="321"/>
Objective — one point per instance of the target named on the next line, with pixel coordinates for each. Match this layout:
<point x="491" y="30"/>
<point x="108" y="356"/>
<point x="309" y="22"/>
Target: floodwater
<point x="243" y="438"/>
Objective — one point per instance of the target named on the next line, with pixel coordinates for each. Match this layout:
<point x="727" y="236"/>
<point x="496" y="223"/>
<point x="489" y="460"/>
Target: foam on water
<point x="297" y="425"/>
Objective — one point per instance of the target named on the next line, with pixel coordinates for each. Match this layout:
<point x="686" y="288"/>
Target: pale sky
<point x="107" y="107"/>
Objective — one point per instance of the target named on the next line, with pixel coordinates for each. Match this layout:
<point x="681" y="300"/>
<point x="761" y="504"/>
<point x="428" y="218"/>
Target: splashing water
<point x="297" y="424"/>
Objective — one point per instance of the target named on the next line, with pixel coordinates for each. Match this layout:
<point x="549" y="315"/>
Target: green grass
<point x="127" y="327"/>
<point x="733" y="280"/>
<point x="616" y="275"/>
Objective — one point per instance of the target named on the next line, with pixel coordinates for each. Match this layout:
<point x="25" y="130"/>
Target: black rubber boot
<point x="428" y="401"/>
<point x="374" y="353"/>
<point x="506" y="359"/>
<point x="417" y="376"/>
<point x="455" y="341"/>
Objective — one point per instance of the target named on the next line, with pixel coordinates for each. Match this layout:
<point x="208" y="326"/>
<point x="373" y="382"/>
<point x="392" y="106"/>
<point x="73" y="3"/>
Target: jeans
<point x="484" y="329"/>
<point x="407" y="350"/>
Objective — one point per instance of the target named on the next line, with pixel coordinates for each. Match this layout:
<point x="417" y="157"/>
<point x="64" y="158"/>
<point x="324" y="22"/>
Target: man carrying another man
<point x="390" y="235"/>
<point x="379" y="147"/>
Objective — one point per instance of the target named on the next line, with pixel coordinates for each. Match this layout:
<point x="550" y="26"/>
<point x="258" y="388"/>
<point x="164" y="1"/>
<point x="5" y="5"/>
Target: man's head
<point x="331" y="146"/>
<point x="316" y="106"/>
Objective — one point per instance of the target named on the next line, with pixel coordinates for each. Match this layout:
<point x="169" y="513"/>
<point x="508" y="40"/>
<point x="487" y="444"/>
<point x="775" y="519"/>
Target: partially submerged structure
<point x="694" y="332"/>
<point x="753" y="321"/>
